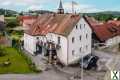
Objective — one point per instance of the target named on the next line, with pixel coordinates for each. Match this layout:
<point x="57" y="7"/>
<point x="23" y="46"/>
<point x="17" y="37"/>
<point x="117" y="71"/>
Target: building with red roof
<point x="67" y="36"/>
<point x="106" y="33"/>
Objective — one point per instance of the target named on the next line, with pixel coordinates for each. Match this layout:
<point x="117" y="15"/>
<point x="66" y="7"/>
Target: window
<point x="84" y="25"/>
<point x="80" y="26"/>
<point x="73" y="52"/>
<point x="76" y="26"/>
<point x="58" y="40"/>
<point x="86" y="47"/>
<point x="37" y="38"/>
<point x="80" y="49"/>
<point x="86" y="36"/>
<point x="80" y="37"/>
<point x="73" y="39"/>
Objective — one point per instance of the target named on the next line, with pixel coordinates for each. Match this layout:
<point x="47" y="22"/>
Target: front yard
<point x="19" y="63"/>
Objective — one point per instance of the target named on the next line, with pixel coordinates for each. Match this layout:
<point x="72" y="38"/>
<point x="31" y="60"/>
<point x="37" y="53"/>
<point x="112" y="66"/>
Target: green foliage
<point x="7" y="12"/>
<point x="119" y="18"/>
<point x="20" y="63"/>
<point x="104" y="17"/>
<point x="11" y="22"/>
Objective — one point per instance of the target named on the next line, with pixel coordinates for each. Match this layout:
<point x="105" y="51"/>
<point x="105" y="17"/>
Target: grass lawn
<point x="18" y="62"/>
<point x="10" y="18"/>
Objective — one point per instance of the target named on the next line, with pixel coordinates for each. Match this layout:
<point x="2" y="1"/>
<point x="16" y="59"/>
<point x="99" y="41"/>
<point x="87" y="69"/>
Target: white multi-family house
<point x="68" y="36"/>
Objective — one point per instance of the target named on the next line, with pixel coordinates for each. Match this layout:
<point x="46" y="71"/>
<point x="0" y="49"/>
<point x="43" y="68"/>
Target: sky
<point x="52" y="5"/>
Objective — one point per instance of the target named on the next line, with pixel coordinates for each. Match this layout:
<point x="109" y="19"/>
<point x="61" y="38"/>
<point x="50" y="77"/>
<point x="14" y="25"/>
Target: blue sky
<point x="82" y="6"/>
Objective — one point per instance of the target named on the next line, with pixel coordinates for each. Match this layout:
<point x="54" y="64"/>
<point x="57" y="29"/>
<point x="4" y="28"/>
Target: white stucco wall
<point x="112" y="41"/>
<point x="62" y="52"/>
<point x="79" y="43"/>
<point x="29" y="43"/>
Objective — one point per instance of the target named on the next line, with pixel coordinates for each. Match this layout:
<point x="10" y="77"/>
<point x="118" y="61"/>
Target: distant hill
<point x="8" y="12"/>
<point x="114" y="13"/>
<point x="40" y="11"/>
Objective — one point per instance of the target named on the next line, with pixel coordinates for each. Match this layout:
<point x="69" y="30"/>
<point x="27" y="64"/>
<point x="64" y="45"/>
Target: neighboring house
<point x="66" y="35"/>
<point x="27" y="21"/>
<point x="104" y="34"/>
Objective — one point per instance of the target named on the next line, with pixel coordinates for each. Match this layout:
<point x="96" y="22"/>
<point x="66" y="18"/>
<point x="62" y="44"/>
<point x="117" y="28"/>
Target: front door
<point x="38" y="49"/>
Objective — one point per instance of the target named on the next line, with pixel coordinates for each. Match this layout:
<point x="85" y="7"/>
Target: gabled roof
<point x="54" y="23"/>
<point x="103" y="31"/>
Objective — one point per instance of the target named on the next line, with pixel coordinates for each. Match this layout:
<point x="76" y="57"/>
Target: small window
<point x="84" y="25"/>
<point x="73" y="39"/>
<point x="58" y="40"/>
<point x="80" y="49"/>
<point x="86" y="47"/>
<point x="73" y="52"/>
<point x="80" y="37"/>
<point x="37" y="38"/>
<point x="76" y="26"/>
<point x="86" y="36"/>
<point x="80" y="26"/>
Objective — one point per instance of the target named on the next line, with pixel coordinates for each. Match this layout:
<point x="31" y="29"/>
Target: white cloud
<point x="83" y="8"/>
<point x="6" y="3"/>
<point x="34" y="7"/>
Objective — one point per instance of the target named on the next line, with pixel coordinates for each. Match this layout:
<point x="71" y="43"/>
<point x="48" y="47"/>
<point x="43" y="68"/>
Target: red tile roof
<point x="117" y="22"/>
<point x="21" y="18"/>
<point x="55" y="23"/>
<point x="103" y="31"/>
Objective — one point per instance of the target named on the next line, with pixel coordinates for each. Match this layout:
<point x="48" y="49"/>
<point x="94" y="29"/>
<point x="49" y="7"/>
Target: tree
<point x="104" y="17"/>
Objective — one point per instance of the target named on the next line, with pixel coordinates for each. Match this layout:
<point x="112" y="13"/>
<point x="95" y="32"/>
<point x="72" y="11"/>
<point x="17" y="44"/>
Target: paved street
<point x="49" y="75"/>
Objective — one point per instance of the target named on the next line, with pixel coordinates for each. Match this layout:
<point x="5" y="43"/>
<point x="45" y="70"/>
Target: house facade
<point x="68" y="36"/>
